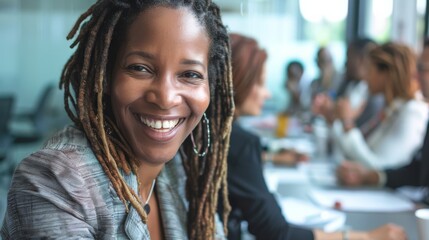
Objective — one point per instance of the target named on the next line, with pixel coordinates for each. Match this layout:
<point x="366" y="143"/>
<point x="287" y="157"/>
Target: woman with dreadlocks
<point x="149" y="92"/>
<point x="250" y="199"/>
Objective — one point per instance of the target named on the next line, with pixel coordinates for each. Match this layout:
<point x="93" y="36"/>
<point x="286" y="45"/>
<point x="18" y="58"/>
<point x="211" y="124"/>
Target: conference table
<point x="293" y="185"/>
<point x="299" y="182"/>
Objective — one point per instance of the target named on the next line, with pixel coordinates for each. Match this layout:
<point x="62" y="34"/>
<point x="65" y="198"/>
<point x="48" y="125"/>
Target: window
<point x="289" y="30"/>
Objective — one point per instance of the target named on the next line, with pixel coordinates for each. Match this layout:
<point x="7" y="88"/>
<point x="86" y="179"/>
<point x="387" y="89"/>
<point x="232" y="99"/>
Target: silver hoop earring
<point x="207" y="123"/>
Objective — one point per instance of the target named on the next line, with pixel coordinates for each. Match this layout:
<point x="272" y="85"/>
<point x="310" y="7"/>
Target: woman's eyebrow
<point x="141" y="54"/>
<point x="192" y="62"/>
<point x="151" y="57"/>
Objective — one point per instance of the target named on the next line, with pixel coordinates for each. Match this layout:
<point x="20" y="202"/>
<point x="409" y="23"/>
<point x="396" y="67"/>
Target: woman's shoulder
<point x="64" y="179"/>
<point x="66" y="155"/>
<point x="239" y="133"/>
<point x="64" y="169"/>
<point x="70" y="138"/>
<point x="242" y="143"/>
<point x="414" y="111"/>
<point x="242" y="139"/>
<point x="415" y="106"/>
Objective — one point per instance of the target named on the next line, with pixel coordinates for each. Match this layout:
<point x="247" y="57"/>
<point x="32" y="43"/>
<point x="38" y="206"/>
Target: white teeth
<point x="158" y="124"/>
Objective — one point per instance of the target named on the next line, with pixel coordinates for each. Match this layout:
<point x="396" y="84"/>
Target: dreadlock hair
<point x="399" y="62"/>
<point x="85" y="76"/>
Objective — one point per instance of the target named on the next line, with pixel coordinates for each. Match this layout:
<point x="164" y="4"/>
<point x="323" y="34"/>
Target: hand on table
<point x="352" y="174"/>
<point x="384" y="232"/>
<point x="288" y="157"/>
<point x="387" y="232"/>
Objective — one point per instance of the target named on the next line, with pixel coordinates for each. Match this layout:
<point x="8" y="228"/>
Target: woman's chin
<point x="156" y="157"/>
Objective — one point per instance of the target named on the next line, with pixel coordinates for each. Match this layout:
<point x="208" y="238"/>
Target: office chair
<point x="36" y="118"/>
<point x="6" y="104"/>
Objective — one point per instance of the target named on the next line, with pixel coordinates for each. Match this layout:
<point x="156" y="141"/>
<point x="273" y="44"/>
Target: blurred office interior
<point x="34" y="48"/>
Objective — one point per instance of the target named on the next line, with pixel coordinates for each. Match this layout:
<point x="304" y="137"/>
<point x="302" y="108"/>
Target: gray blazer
<point x="62" y="192"/>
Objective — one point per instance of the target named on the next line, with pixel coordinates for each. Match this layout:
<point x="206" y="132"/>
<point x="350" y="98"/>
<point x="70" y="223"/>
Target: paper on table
<point x="362" y="200"/>
<point x="274" y="176"/>
<point x="321" y="174"/>
<point x="306" y="214"/>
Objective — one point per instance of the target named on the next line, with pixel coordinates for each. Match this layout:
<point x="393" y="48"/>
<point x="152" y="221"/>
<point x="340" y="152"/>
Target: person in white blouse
<point x="400" y="132"/>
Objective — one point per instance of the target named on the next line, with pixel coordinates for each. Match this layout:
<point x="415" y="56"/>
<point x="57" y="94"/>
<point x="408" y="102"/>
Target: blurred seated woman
<point x="401" y="128"/>
<point x="416" y="173"/>
<point x="248" y="194"/>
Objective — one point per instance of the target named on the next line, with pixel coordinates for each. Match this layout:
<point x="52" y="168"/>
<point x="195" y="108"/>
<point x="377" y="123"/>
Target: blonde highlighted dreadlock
<point x="84" y="78"/>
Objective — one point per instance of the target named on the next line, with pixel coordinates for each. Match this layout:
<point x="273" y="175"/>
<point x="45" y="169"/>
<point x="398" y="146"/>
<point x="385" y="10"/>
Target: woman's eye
<point x="192" y="75"/>
<point x="138" y="68"/>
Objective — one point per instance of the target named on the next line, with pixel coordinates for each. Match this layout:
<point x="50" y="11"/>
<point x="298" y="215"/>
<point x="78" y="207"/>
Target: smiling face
<point x="160" y="86"/>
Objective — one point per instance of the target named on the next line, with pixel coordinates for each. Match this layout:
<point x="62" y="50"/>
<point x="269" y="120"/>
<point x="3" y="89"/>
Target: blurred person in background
<point x="355" y="88"/>
<point x="294" y="86"/>
<point x="329" y="78"/>
<point x="391" y="72"/>
<point x="414" y="174"/>
<point x="356" y="61"/>
<point x="249" y="196"/>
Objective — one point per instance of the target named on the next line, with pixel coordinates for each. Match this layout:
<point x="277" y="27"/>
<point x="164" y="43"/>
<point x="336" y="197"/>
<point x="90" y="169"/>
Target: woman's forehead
<point x="167" y="21"/>
<point x="172" y="30"/>
<point x="174" y="23"/>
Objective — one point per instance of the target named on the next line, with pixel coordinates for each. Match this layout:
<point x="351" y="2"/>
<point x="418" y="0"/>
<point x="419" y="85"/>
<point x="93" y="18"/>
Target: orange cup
<point x="282" y="125"/>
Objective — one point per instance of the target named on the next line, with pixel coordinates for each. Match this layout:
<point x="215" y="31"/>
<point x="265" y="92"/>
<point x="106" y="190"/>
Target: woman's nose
<point x="164" y="92"/>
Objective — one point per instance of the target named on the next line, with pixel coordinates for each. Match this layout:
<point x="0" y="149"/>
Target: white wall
<point x="33" y="46"/>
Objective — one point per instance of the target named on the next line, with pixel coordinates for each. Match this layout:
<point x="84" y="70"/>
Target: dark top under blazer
<point x="414" y="174"/>
<point x="249" y="193"/>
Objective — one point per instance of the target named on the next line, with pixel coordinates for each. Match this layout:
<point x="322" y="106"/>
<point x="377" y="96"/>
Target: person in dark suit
<point x="416" y="173"/>
<point x="248" y="194"/>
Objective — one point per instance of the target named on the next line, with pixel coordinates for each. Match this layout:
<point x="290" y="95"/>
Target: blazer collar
<point x="134" y="227"/>
<point x="171" y="201"/>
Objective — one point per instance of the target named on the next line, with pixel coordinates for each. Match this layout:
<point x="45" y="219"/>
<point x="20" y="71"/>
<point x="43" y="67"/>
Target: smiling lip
<point x="160" y="130"/>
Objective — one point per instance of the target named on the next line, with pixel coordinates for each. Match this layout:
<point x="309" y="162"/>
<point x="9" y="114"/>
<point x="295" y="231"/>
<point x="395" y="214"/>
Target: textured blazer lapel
<point x="134" y="227"/>
<point x="171" y="203"/>
<point x="170" y="188"/>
